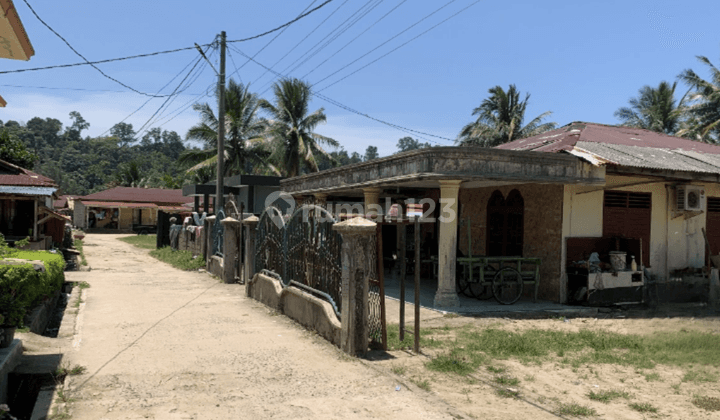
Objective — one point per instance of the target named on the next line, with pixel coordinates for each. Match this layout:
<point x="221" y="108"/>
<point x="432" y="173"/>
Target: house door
<point x="713" y="224"/>
<point x="628" y="215"/>
<point x="505" y="224"/>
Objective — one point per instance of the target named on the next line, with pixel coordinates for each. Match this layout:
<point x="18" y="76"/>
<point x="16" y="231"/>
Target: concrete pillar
<point x="372" y="201"/>
<point x="358" y="234"/>
<point x="714" y="298"/>
<point x="446" y="295"/>
<point x="231" y="227"/>
<point x="250" y="231"/>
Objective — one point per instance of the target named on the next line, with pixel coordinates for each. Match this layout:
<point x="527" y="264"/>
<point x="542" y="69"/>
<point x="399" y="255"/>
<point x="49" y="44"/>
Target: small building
<point x="121" y="208"/>
<point x="250" y="191"/>
<point x="596" y="189"/>
<point x="26" y="207"/>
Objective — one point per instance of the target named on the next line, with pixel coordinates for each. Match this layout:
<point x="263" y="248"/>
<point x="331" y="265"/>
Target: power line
<point x="354" y="39"/>
<point x="269" y="42"/>
<point x="385" y="42"/>
<point x="74" y="89"/>
<point x="160" y="90"/>
<point x="395" y="49"/>
<point x="283" y="25"/>
<point x="354" y="111"/>
<point x="82" y="56"/>
<point x="303" y="40"/>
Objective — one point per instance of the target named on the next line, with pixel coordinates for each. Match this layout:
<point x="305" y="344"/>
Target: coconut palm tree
<point x="654" y="109"/>
<point x="704" y="110"/>
<point x="500" y="120"/>
<point x="244" y="147"/>
<point x="291" y="128"/>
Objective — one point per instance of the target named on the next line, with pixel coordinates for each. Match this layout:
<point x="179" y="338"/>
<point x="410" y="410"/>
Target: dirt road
<point x="166" y="344"/>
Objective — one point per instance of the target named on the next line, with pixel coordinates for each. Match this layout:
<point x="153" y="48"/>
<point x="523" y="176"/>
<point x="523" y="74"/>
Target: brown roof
<point x="118" y="204"/>
<point x="62" y="201"/>
<point x="14" y="175"/>
<point x="141" y="195"/>
<point x="565" y="138"/>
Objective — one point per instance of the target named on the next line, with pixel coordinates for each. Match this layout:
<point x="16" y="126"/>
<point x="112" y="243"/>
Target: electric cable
<point x="82" y="56"/>
<point x="386" y="41"/>
<point x="354" y="39"/>
<point x="283" y="25"/>
<point x="354" y="111"/>
<point x="394" y="49"/>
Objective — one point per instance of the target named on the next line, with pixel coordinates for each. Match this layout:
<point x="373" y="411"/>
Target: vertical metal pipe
<point x="417" y="285"/>
<point x="403" y="235"/>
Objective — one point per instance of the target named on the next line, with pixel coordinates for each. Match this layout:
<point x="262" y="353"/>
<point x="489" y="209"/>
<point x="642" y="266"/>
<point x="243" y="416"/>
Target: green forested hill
<point x="85" y="165"/>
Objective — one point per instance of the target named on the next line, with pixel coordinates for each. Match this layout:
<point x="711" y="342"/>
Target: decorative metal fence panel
<point x="218" y="232"/>
<point x="314" y="252"/>
<point x="375" y="298"/>
<point x="269" y="253"/>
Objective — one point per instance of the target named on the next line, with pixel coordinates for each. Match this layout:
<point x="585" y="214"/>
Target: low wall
<point x="306" y="309"/>
<point x="215" y="266"/>
<point x="188" y="241"/>
<point x="9" y="359"/>
<point x="38" y="319"/>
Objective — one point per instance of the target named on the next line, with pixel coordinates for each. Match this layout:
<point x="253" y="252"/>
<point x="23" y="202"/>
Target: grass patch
<point x="399" y="370"/>
<point x="507" y="393"/>
<point x="575" y="409"/>
<point x="428" y="337"/>
<point x="78" y="244"/>
<point x="653" y="377"/>
<point x="700" y="376"/>
<point x="609" y="395"/>
<point x="707" y="403"/>
<point x="83" y="285"/>
<point x="183" y="260"/>
<point x="422" y="384"/>
<point x="66" y="370"/>
<point x="643" y="407"/>
<point x="506" y="380"/>
<point x="494" y="369"/>
<point x="141" y="241"/>
<point x="585" y="347"/>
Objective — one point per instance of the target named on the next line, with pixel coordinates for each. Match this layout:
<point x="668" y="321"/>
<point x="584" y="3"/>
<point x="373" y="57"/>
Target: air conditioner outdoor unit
<point x="690" y="198"/>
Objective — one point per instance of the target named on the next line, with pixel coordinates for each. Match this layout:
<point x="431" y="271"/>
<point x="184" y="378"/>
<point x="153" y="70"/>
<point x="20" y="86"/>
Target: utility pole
<point x="219" y="198"/>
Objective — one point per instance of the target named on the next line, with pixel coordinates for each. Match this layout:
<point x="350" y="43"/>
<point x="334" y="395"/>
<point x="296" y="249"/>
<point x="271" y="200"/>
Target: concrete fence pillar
<point x="231" y="233"/>
<point x="250" y="232"/>
<point x="446" y="295"/>
<point x="714" y="298"/>
<point x="358" y="236"/>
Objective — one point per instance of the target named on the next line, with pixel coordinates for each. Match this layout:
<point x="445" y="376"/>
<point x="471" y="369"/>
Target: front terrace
<point x="482" y="202"/>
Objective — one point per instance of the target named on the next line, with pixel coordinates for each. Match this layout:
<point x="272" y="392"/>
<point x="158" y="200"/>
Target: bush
<point x="21" y="287"/>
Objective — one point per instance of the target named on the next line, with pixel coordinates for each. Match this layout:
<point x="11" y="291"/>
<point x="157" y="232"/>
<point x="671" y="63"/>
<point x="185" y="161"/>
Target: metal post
<point x="403" y="273"/>
<point x="417" y="285"/>
<point x="221" y="128"/>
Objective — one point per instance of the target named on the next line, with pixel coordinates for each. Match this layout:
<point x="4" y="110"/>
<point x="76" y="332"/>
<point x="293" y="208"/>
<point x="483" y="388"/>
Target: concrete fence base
<point x="306" y="309"/>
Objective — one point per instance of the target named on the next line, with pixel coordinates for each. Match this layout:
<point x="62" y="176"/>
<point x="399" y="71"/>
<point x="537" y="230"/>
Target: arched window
<point x="505" y="224"/>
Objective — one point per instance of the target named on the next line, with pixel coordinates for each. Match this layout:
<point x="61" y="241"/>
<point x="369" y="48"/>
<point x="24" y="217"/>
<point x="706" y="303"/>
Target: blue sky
<point x="580" y="60"/>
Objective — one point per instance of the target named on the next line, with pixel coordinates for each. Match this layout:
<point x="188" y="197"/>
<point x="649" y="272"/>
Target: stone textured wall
<point x="542" y="228"/>
<point x="186" y="242"/>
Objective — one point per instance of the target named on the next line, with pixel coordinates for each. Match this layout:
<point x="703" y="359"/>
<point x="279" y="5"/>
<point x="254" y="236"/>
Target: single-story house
<point x="642" y="196"/>
<point x="121" y="208"/>
<point x="26" y="207"/>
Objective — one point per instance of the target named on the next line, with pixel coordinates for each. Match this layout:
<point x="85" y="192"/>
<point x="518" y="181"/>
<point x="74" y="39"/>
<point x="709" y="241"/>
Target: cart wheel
<point x="507" y="285"/>
<point x="462" y="285"/>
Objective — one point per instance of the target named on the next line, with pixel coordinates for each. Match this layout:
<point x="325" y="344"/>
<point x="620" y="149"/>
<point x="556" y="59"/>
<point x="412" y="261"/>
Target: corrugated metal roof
<point x="127" y="194"/>
<point x="15" y="175"/>
<point x="118" y="204"/>
<point x="174" y="208"/>
<point x="649" y="157"/>
<point x="565" y="138"/>
<point x="22" y="190"/>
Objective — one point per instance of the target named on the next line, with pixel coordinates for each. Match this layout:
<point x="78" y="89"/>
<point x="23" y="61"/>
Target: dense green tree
<point x="244" y="148"/>
<point x="703" y="112"/>
<point x="124" y="133"/>
<point x="13" y="150"/>
<point x="371" y="153"/>
<point x="408" y="143"/>
<point x="500" y="120"/>
<point x="653" y="109"/>
<point x="74" y="132"/>
<point x="294" y="142"/>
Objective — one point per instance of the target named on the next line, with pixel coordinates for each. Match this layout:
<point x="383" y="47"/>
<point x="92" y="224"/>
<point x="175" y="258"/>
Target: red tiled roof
<point x="565" y="138"/>
<point x="14" y="175"/>
<point x="114" y="204"/>
<point x="143" y="195"/>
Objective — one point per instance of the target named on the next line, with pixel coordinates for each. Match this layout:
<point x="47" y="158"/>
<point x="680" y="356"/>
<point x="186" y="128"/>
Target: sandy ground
<point x="166" y="344"/>
<point x="544" y="387"/>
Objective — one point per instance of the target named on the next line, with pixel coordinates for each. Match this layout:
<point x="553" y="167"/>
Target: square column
<point x="446" y="295"/>
<point x="372" y="202"/>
